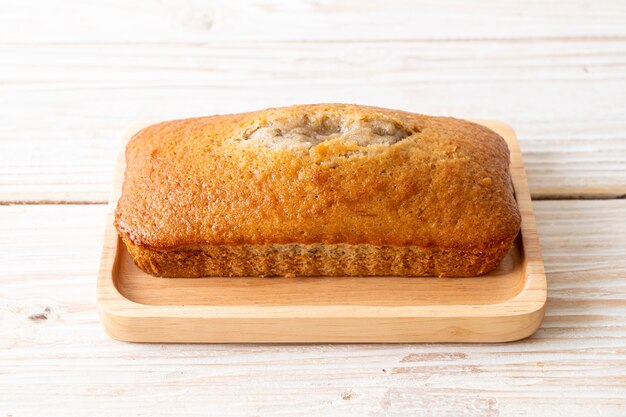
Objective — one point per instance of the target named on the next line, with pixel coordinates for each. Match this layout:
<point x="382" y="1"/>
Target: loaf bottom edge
<point x="315" y="260"/>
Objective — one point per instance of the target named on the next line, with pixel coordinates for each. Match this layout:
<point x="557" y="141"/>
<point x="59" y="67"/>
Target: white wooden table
<point x="74" y="74"/>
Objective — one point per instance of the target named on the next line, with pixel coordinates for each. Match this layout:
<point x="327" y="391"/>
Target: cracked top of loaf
<point x="325" y="173"/>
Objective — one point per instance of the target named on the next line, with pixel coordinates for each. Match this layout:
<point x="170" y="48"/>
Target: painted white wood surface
<point x="55" y="358"/>
<point x="73" y="74"/>
<point x="312" y="20"/>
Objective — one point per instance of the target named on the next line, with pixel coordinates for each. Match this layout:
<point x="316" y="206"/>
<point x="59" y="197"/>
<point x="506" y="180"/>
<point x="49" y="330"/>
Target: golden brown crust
<point x="443" y="188"/>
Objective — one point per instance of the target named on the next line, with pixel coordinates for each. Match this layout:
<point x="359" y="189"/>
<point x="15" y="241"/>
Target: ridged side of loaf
<point x="315" y="260"/>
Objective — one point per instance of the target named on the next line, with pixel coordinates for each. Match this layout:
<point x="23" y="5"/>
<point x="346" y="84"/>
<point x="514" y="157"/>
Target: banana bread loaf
<point x="328" y="189"/>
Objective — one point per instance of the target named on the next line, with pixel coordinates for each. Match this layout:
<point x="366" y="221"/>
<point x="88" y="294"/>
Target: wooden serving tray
<point x="506" y="304"/>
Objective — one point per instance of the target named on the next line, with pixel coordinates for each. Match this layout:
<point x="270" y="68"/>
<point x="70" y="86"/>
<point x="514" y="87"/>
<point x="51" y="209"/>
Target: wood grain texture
<point x="55" y="356"/>
<point x="320" y="20"/>
<point x="560" y="84"/>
